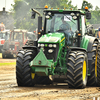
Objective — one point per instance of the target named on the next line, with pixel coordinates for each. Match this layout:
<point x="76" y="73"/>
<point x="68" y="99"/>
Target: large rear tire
<point x="77" y="69"/>
<point x="29" y="43"/>
<point x="98" y="65"/>
<point x="92" y="79"/>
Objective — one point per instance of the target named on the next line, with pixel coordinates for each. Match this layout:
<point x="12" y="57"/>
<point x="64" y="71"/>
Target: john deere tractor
<point x="61" y="53"/>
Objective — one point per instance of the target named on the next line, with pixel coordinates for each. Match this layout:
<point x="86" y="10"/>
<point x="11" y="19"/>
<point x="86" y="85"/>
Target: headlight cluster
<point x="50" y="50"/>
<point x="74" y="15"/>
<point x="47" y="45"/>
<point x="52" y="45"/>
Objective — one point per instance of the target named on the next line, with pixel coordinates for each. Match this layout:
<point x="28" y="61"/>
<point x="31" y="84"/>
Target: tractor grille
<point x="12" y="47"/>
<point x="51" y="55"/>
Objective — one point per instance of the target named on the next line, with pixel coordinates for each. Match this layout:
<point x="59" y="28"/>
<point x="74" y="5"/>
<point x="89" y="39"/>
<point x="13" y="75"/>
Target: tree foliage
<point x="86" y="3"/>
<point x="95" y="16"/>
<point x="95" y="19"/>
<point x="22" y="11"/>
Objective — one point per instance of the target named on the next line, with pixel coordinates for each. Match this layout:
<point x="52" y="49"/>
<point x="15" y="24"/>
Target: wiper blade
<point x="70" y="19"/>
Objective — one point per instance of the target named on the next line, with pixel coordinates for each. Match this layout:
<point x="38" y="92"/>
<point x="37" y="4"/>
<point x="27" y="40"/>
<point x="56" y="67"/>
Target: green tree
<point x="67" y="4"/>
<point x="95" y="16"/>
<point x="22" y="11"/>
<point x="86" y="3"/>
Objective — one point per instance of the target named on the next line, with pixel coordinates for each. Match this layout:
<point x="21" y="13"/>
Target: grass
<point x="7" y="64"/>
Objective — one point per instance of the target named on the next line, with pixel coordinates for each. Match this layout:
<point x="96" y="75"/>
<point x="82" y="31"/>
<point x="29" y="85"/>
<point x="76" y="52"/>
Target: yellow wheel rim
<point x="50" y="77"/>
<point x="96" y="65"/>
<point x="84" y="70"/>
<point x="32" y="75"/>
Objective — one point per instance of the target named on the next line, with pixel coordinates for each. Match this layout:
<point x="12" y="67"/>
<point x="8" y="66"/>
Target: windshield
<point x="61" y="22"/>
<point x="16" y="36"/>
<point x="31" y="36"/>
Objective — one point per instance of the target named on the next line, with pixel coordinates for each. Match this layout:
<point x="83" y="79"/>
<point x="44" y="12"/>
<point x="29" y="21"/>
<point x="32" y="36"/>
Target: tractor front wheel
<point x="77" y="69"/>
<point x="23" y="70"/>
<point x="98" y="65"/>
<point x="92" y="79"/>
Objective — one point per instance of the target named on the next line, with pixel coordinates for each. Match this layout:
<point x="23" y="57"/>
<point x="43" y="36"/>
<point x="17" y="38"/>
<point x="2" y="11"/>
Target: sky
<point x="7" y="3"/>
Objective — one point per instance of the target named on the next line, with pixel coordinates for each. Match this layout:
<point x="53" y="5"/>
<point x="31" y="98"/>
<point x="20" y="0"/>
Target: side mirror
<point x="88" y="15"/>
<point x="33" y="14"/>
<point x="86" y="33"/>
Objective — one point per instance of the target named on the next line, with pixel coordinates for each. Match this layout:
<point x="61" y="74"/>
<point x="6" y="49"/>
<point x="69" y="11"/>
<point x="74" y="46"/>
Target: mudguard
<point x="89" y="53"/>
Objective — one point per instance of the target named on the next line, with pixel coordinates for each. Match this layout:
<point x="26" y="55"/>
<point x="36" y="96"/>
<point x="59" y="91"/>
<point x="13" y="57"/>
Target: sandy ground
<point x="10" y="91"/>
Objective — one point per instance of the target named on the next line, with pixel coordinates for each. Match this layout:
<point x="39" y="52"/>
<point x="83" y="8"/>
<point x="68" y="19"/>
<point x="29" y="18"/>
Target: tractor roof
<point x="19" y="30"/>
<point x="8" y="31"/>
<point x="65" y="11"/>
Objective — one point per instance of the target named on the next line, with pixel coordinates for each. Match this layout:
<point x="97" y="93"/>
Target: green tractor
<point x="62" y="53"/>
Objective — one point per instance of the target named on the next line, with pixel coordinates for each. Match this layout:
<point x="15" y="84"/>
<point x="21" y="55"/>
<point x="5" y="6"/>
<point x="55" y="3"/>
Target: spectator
<point x="98" y="36"/>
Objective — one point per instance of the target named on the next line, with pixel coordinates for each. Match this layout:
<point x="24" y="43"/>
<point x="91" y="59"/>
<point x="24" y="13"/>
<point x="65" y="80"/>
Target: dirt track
<point x="10" y="91"/>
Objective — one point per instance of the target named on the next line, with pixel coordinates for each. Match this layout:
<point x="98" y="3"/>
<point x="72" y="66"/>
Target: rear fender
<point x="89" y="53"/>
<point x="31" y="48"/>
<point x="77" y="48"/>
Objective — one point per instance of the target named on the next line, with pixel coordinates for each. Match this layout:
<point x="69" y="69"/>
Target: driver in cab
<point x="64" y="26"/>
<point x="66" y="29"/>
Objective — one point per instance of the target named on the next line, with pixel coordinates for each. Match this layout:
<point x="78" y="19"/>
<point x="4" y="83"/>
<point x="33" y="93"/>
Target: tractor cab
<point x="71" y="23"/>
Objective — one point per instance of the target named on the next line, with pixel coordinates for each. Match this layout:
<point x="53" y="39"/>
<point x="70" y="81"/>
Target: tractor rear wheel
<point x="30" y="43"/>
<point x="23" y="70"/>
<point x="77" y="69"/>
<point x="98" y="65"/>
<point x="92" y="79"/>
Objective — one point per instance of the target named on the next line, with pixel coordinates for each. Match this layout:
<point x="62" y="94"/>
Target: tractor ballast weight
<point x="62" y="55"/>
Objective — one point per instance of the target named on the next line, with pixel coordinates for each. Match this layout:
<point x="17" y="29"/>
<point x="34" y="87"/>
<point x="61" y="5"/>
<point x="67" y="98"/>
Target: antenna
<point x="5" y="4"/>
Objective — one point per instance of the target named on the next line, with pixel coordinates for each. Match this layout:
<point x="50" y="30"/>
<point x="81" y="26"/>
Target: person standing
<point x="98" y="36"/>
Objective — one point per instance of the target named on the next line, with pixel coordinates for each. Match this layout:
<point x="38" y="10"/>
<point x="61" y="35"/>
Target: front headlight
<point x="74" y="17"/>
<point x="50" y="45"/>
<point x="50" y="50"/>
<point x="47" y="16"/>
<point x="38" y="45"/>
<point x="42" y="45"/>
<point x="54" y="45"/>
<point x="77" y="14"/>
<point x="72" y="14"/>
<point x="49" y="13"/>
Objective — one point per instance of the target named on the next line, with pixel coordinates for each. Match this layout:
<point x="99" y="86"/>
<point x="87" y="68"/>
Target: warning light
<point x="86" y="8"/>
<point x="79" y="34"/>
<point x="39" y="33"/>
<point x="46" y="7"/>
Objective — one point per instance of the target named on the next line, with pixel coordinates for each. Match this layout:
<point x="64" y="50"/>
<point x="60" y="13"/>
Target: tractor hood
<point x="51" y="37"/>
